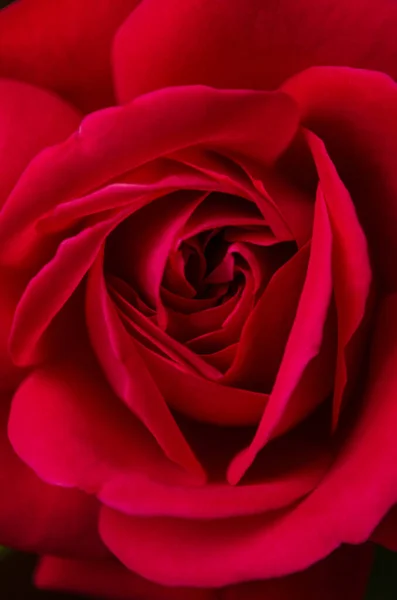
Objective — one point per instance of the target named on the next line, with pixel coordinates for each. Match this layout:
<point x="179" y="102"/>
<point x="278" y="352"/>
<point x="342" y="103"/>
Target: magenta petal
<point x="335" y="103"/>
<point x="38" y="517"/>
<point x="62" y="275"/>
<point x="128" y="374"/>
<point x="304" y="341"/>
<point x="146" y="239"/>
<point x="147" y="331"/>
<point x="107" y="579"/>
<point x="216" y="553"/>
<point x="30" y="120"/>
<point x="250" y="45"/>
<point x="328" y="579"/>
<point x="201" y="398"/>
<point x="64" y="46"/>
<point x="351" y="268"/>
<point x="266" y="330"/>
<point x="160" y="124"/>
<point x="69" y="426"/>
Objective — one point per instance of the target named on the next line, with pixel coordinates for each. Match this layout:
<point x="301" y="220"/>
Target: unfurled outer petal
<point x="354" y="112"/>
<point x="63" y="46"/>
<point x="38" y="517"/>
<point x="271" y="546"/>
<point x="108" y="579"/>
<point x="343" y="575"/>
<point x="30" y="120"/>
<point x="253" y="44"/>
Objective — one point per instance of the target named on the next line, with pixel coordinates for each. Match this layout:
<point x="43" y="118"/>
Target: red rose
<point x="199" y="309"/>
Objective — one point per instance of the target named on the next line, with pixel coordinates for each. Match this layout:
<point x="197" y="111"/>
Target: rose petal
<point x="64" y="46"/>
<point x="159" y="123"/>
<point x="141" y="245"/>
<point x="334" y="103"/>
<point x="305" y="339"/>
<point x="201" y="398"/>
<point x="238" y="170"/>
<point x="11" y="290"/>
<point x="189" y="306"/>
<point x="223" y="210"/>
<point x="69" y="426"/>
<point x="149" y="498"/>
<point x="63" y="275"/>
<point x="249" y="45"/>
<point x="38" y="517"/>
<point x="229" y="331"/>
<point x="128" y="374"/>
<point x="270" y="322"/>
<point x="328" y="580"/>
<point x="295" y="205"/>
<point x="351" y="266"/>
<point x="184" y="327"/>
<point x="222" y="359"/>
<point x="148" y="332"/>
<point x="30" y="120"/>
<point x="213" y="553"/>
<point x="107" y="579"/>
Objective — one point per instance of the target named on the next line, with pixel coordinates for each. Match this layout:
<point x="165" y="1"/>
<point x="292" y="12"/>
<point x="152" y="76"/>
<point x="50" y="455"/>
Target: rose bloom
<point x="198" y="244"/>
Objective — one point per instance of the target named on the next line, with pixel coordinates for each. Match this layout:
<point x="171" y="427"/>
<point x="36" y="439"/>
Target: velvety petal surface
<point x="159" y="123"/>
<point x="107" y="579"/>
<point x="329" y="579"/>
<point x="354" y="113"/>
<point x="64" y="46"/>
<point x="30" y="120"/>
<point x="304" y="342"/>
<point x="82" y="435"/>
<point x="130" y="377"/>
<point x="351" y="269"/>
<point x="38" y="517"/>
<point x="249" y="44"/>
<point x="216" y="553"/>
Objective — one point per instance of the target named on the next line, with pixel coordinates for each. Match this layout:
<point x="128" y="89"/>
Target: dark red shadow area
<point x="16" y="575"/>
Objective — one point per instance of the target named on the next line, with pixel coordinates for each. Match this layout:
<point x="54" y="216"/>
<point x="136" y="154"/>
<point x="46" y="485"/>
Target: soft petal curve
<point x="38" y="517"/>
<point x="249" y="44"/>
<point x="271" y="546"/>
<point x="64" y="46"/>
<point x="30" y="120"/>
